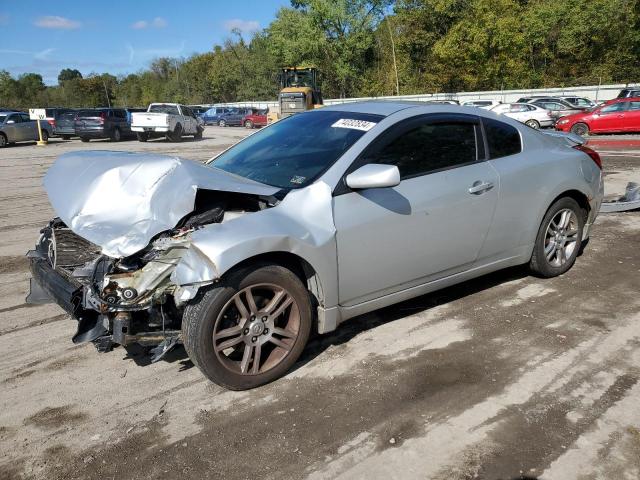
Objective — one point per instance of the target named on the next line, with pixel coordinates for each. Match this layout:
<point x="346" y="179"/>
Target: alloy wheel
<point x="256" y="329"/>
<point x="561" y="238"/>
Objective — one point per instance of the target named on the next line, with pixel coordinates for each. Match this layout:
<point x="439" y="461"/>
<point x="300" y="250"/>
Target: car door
<point x="632" y="117"/>
<point x="187" y="119"/>
<point x="30" y="127"/>
<point x="432" y="224"/>
<point x="609" y="118"/>
<point x="21" y="131"/>
<point x="519" y="111"/>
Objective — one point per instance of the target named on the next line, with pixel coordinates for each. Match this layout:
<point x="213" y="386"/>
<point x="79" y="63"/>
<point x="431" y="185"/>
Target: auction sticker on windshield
<point x="354" y="124"/>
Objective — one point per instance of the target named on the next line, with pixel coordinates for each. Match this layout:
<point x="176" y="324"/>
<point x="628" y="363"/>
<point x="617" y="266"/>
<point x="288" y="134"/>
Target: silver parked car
<point x="18" y="127"/>
<point x="531" y="115"/>
<point x="307" y="223"/>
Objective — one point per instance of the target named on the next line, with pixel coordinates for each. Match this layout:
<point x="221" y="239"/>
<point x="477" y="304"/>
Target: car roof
<point x="382" y="107"/>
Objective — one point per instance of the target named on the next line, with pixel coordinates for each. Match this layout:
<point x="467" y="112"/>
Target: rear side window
<point x="503" y="139"/>
<point x="430" y="147"/>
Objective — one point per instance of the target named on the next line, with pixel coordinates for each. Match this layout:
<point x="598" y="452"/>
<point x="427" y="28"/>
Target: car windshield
<point x="293" y="152"/>
<point x="162" y="108"/>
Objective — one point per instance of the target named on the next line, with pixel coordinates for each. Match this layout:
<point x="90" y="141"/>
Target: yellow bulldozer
<point x="299" y="92"/>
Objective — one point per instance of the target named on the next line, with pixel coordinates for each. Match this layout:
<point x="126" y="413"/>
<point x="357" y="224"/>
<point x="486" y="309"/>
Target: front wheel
<point x="222" y="123"/>
<point x="249" y="329"/>
<point x="559" y="239"/>
<point x="3" y="140"/>
<point x="248" y="124"/>
<point x="533" y="124"/>
<point x="581" y="129"/>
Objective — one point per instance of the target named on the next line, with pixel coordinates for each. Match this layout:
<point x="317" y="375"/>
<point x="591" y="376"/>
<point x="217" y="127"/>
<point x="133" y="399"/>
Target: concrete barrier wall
<point x="594" y="92"/>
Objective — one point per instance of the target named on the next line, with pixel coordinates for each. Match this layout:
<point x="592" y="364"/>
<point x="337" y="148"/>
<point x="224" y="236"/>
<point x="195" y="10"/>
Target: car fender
<point x="302" y="224"/>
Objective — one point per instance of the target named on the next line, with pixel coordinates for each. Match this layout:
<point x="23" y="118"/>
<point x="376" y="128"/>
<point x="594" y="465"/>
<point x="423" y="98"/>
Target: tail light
<point x="595" y="156"/>
<point x="52" y="122"/>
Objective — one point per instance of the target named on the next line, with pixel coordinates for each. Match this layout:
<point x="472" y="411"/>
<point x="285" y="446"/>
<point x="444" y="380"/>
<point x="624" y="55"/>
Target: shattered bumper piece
<point x="629" y="201"/>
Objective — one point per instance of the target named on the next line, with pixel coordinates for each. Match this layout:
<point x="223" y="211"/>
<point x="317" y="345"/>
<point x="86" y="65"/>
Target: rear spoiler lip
<point x="571" y="138"/>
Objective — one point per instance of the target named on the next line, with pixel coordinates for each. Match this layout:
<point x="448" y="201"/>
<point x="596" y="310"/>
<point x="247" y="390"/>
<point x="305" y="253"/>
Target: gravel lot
<point x="502" y="377"/>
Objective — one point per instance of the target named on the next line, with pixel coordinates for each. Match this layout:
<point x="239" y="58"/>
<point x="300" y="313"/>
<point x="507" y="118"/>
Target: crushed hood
<point x="120" y="200"/>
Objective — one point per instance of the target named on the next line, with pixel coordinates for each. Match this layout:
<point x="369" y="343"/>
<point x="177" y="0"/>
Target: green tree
<point x="67" y="74"/>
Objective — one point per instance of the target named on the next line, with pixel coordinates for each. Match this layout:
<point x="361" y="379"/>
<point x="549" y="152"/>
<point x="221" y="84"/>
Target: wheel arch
<point x="297" y="264"/>
<point x="578" y="196"/>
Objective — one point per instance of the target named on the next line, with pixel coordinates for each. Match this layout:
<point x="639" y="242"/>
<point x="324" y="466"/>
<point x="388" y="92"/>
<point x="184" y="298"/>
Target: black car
<point x="102" y="123"/>
<point x="629" y="92"/>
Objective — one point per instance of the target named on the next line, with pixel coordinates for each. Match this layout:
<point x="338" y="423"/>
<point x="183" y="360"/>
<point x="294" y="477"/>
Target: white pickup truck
<point x="166" y="119"/>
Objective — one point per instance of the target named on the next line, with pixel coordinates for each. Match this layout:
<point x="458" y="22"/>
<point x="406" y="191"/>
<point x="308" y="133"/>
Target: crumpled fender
<point x="301" y="224"/>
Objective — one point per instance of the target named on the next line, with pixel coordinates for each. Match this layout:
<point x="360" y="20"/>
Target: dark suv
<point x="102" y="123"/>
<point x="629" y="92"/>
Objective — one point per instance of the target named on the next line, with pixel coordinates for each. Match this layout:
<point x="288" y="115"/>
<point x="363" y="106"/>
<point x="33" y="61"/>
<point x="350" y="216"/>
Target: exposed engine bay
<point x="128" y="300"/>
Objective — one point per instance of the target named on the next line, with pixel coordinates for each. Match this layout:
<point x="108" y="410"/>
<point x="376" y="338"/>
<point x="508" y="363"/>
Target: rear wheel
<point x="142" y="136"/>
<point x="248" y="124"/>
<point x="198" y="135"/>
<point x="84" y="139"/>
<point x="176" y="135"/>
<point x="66" y="137"/>
<point x="222" y="123"/>
<point x="559" y="239"/>
<point x="45" y="135"/>
<point x="533" y="124"/>
<point x="3" y="140"/>
<point x="116" y="136"/>
<point x="249" y="329"/>
<point x="581" y="129"/>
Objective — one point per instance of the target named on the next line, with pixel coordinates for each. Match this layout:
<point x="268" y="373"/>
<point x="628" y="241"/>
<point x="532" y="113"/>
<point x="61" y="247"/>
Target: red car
<point x="255" y="119"/>
<point x="620" y="115"/>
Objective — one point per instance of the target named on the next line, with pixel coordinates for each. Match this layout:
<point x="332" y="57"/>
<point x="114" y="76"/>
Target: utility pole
<point x="106" y="93"/>
<point x="393" y="53"/>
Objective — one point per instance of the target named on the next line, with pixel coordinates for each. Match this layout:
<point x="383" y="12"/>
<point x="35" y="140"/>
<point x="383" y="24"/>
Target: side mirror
<point x="374" y="175"/>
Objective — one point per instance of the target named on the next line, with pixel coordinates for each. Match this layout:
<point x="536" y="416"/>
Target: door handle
<point x="479" y="187"/>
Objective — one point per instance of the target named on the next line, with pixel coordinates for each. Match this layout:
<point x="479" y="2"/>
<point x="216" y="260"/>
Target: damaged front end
<point x="123" y="301"/>
<point x="125" y="222"/>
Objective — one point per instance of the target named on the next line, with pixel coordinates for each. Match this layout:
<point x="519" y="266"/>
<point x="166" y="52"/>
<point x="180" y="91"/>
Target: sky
<point x="118" y="36"/>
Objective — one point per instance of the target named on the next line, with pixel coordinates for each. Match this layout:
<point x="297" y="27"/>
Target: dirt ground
<point x="507" y="376"/>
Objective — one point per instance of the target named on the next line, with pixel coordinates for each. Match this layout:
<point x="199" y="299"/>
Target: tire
<point x="533" y="124"/>
<point x="84" y="139"/>
<point x="66" y="137"/>
<point x="45" y="135"/>
<point x="248" y="124"/>
<point x="176" y="135"/>
<point x="547" y="259"/>
<point x="3" y="140"/>
<point x="581" y="129"/>
<point x="198" y="135"/>
<point x="116" y="136"/>
<point x="214" y="311"/>
<point x="222" y="123"/>
<point x="142" y="136"/>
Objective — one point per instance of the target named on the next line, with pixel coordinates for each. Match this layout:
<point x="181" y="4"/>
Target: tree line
<point x="378" y="47"/>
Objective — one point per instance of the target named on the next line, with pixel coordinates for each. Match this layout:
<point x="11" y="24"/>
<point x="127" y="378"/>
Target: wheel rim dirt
<point x="256" y="329"/>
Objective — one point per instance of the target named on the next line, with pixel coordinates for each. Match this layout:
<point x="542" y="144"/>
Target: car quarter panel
<point x="529" y="182"/>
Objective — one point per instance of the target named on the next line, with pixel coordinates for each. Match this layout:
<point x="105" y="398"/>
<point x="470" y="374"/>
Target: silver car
<point x="18" y="127"/>
<point x="303" y="225"/>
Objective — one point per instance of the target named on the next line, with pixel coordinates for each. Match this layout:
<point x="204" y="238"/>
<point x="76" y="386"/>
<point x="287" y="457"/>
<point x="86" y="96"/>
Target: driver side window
<point x="430" y="147"/>
<point x="614" y="107"/>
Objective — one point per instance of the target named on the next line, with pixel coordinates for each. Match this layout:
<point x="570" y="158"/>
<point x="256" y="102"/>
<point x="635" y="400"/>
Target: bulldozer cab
<point x="299" y="77"/>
